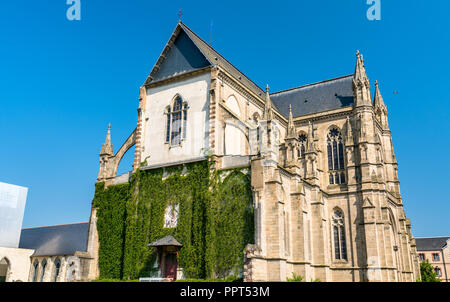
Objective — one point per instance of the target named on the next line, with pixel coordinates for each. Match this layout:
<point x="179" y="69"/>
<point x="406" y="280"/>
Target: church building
<point x="322" y="174"/>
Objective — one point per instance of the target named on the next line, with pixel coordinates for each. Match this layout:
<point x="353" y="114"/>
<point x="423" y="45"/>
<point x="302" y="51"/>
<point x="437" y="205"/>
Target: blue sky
<point x="62" y="82"/>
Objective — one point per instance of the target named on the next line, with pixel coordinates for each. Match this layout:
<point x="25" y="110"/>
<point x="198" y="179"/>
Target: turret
<point x="106" y="156"/>
<point x="291" y="142"/>
<point x="380" y="108"/>
<point x="361" y="84"/>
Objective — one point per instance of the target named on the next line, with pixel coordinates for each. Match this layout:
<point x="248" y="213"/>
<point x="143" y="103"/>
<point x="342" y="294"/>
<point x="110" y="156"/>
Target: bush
<point x="295" y="278"/>
<point x="427" y="272"/>
<point x="228" y="279"/>
<point x="113" y="280"/>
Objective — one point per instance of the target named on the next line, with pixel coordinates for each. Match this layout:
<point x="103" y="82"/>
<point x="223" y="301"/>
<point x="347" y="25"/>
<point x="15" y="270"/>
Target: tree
<point x="427" y="272"/>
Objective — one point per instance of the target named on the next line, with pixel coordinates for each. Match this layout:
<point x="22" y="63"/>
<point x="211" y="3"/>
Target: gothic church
<point x="324" y="176"/>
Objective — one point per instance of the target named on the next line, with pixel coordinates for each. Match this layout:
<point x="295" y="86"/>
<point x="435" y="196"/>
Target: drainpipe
<point x="445" y="267"/>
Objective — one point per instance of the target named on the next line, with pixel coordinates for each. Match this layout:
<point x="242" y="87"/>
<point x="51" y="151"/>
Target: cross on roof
<point x="180" y="14"/>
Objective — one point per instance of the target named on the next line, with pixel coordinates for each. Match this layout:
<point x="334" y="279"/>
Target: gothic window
<point x="44" y="265"/>
<point x="35" y="271"/>
<point x="302" y="147"/>
<point x="57" y="269"/>
<point x="335" y="150"/>
<point x="340" y="247"/>
<point x="176" y="124"/>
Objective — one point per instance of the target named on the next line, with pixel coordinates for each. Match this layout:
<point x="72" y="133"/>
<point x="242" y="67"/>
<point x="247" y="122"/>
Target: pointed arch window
<point x="335" y="150"/>
<point x="302" y="146"/>
<point x="176" y="124"/>
<point x="35" y="271"/>
<point x="57" y="270"/>
<point x="340" y="247"/>
<point x="44" y="266"/>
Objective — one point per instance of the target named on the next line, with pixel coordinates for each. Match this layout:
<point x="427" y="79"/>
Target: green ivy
<point x="215" y="221"/>
<point x="111" y="204"/>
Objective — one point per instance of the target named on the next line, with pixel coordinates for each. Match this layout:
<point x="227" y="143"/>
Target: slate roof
<point x="313" y="98"/>
<point x="55" y="240"/>
<point x="169" y="240"/>
<point x="183" y="57"/>
<point x="431" y="244"/>
<point x="184" y="53"/>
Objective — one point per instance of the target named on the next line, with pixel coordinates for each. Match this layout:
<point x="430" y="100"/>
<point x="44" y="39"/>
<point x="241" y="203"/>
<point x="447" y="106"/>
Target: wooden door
<point x="171" y="266"/>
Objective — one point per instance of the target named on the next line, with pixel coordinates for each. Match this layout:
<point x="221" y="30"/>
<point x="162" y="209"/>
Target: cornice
<point x="300" y="120"/>
<point x="178" y="77"/>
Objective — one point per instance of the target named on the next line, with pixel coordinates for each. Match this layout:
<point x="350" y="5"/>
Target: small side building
<point x="59" y="252"/>
<point x="437" y="251"/>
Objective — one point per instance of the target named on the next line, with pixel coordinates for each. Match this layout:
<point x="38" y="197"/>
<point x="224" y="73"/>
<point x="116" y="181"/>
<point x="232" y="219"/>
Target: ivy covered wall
<point x="215" y="221"/>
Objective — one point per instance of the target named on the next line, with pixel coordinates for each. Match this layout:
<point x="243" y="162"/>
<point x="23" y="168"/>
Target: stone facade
<point x="313" y="217"/>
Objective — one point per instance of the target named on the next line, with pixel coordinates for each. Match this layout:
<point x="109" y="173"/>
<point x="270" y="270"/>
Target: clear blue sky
<point x="62" y="82"/>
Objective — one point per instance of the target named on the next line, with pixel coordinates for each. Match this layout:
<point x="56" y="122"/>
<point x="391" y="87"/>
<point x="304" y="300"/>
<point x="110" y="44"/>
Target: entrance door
<point x="171" y="266"/>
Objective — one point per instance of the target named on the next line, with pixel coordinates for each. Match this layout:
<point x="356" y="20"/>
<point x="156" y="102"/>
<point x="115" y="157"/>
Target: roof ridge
<point x="213" y="49"/>
<point x="432" y="237"/>
<point x="312" y="84"/>
<point x="49" y="226"/>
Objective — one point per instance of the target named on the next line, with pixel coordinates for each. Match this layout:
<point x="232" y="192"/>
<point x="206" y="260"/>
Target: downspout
<point x="443" y="261"/>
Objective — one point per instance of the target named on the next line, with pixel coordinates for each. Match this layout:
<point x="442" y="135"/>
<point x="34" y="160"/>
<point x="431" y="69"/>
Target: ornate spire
<point x="360" y="70"/>
<point x="268" y="112"/>
<point x="349" y="132"/>
<point x="107" y="148"/>
<point x="291" y="133"/>
<point x="311" y="145"/>
<point x="361" y="83"/>
<point x="378" y="98"/>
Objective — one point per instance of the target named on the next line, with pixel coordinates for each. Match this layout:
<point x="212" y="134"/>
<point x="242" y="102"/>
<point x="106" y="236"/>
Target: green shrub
<point x="427" y="272"/>
<point x="295" y="278"/>
<point x="114" y="280"/>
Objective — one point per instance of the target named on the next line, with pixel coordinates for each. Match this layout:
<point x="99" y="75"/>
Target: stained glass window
<point x="335" y="149"/>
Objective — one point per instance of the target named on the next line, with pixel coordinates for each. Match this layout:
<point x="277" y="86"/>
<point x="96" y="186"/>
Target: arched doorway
<point x="4" y="269"/>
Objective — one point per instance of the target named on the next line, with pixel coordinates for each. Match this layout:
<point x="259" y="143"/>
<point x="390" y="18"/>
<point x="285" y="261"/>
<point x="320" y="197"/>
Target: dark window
<point x="340" y="246"/>
<point x="421" y="257"/>
<point x="438" y="271"/>
<point x="303" y="140"/>
<point x="435" y="257"/>
<point x="168" y="126"/>
<point x="44" y="265"/>
<point x="335" y="149"/>
<point x="57" y="270"/>
<point x="35" y="270"/>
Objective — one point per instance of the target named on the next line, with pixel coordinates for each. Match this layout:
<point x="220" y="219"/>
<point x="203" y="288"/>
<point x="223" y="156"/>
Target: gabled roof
<point x="192" y="53"/>
<point x="186" y="52"/>
<point x="166" y="241"/>
<point x="55" y="240"/>
<point x="431" y="244"/>
<point x="318" y="97"/>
